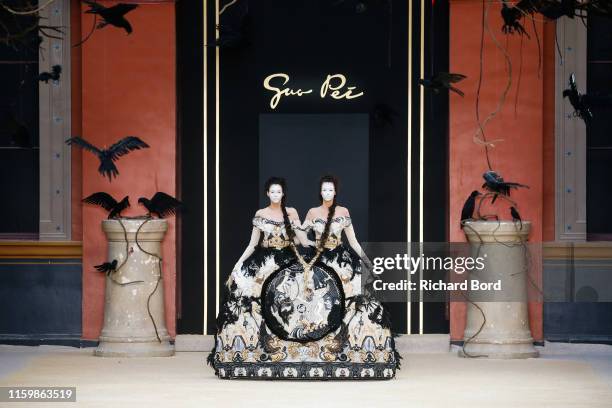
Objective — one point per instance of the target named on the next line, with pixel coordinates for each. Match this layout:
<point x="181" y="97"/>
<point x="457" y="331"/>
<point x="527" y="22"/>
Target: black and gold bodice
<point x="338" y="224"/>
<point x="274" y="232"/>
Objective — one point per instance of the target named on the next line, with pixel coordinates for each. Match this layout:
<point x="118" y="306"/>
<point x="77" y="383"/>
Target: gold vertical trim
<point x="409" y="160"/>
<point x="205" y="117"/>
<point x="217" y="176"/>
<point x="421" y="153"/>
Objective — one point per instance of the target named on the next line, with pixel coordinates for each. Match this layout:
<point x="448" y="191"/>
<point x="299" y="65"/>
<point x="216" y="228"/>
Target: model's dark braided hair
<point x="332" y="209"/>
<point x="281" y="182"/>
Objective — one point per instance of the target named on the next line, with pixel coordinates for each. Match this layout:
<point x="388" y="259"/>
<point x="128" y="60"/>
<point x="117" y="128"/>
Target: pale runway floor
<point x="565" y="376"/>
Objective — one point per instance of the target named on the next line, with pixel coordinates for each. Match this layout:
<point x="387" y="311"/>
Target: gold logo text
<point x="334" y="86"/>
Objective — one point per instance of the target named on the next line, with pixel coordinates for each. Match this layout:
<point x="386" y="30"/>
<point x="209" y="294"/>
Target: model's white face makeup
<point x="328" y="191"/>
<point x="275" y="193"/>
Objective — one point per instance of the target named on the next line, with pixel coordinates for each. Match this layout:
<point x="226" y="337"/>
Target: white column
<point x="128" y="329"/>
<point x="506" y="332"/>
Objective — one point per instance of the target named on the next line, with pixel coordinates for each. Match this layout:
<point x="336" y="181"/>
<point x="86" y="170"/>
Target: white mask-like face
<point x="328" y="191"/>
<point x="275" y="193"/>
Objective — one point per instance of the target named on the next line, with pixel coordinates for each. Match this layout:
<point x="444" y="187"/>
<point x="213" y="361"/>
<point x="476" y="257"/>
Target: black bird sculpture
<point x="107" y="202"/>
<point x="54" y="75"/>
<point x="382" y="115"/>
<point x="516" y="216"/>
<point x="467" y="212"/>
<point x="512" y="20"/>
<point x="579" y="102"/>
<point x="114" y="15"/>
<point x="496" y="184"/>
<point x="441" y="81"/>
<point x="107" y="267"/>
<point x="110" y="155"/>
<point x="161" y="204"/>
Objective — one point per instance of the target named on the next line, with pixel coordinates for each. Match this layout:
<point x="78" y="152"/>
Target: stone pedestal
<point x="128" y="329"/>
<point x="506" y="333"/>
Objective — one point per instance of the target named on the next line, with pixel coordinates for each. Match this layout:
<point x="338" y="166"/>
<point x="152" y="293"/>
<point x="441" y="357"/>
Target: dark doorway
<point x="364" y="139"/>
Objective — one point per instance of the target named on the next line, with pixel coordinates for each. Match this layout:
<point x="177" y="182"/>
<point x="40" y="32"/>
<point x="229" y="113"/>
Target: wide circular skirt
<point x="277" y="323"/>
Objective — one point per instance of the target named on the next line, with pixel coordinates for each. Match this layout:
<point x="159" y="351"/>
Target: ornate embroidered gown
<point x="287" y="318"/>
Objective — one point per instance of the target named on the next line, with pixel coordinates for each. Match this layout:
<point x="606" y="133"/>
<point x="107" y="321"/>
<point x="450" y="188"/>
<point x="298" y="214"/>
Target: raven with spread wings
<point x="108" y="156"/>
<point x="161" y="204"/>
<point x="114" y="15"/>
<point x="443" y="81"/>
<point x="107" y="202"/>
<point x="496" y="184"/>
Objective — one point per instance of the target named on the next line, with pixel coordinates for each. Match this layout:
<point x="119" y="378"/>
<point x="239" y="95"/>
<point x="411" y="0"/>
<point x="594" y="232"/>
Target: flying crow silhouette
<point x="108" y="156"/>
<point x="114" y="15"/>
<point x="443" y="80"/>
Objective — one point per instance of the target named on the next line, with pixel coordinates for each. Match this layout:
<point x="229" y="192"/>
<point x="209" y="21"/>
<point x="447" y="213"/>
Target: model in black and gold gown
<point x="290" y="314"/>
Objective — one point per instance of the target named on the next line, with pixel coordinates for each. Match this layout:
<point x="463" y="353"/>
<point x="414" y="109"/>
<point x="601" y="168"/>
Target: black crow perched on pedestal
<point x="442" y="81"/>
<point x="114" y="15"/>
<point x="467" y="212"/>
<point x="108" y="156"/>
<point x="107" y="267"/>
<point x="107" y="202"/>
<point x="161" y="204"/>
<point x="516" y="216"/>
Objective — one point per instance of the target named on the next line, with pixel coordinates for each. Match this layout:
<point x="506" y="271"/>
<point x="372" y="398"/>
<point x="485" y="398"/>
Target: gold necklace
<point x="307" y="269"/>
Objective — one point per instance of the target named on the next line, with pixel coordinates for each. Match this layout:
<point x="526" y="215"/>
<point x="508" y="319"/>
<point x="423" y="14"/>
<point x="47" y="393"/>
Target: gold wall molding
<point x="579" y="250"/>
<point x="41" y="249"/>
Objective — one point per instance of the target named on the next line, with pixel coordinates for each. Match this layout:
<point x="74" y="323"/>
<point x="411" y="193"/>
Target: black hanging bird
<point x="496" y="184"/>
<point x="516" y="216"/>
<point x="161" y="204"/>
<point x="579" y="101"/>
<point x="54" y="75"/>
<point x="443" y="80"/>
<point x="107" y="267"/>
<point x="114" y="15"/>
<point x="467" y="212"/>
<point x="383" y="115"/>
<point x="112" y="154"/>
<point x="512" y="17"/>
<point x="107" y="202"/>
